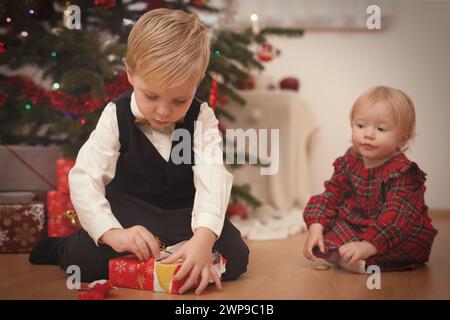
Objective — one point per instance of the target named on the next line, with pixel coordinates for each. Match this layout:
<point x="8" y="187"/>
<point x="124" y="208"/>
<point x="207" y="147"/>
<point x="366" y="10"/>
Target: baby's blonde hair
<point x="168" y="47"/>
<point x="401" y="106"/>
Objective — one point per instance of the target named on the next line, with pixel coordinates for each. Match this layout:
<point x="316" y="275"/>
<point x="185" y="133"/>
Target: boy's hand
<point x="137" y="240"/>
<point x="357" y="250"/>
<point x="196" y="254"/>
<point x="314" y="238"/>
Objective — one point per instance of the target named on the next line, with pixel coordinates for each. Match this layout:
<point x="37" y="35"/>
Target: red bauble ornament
<point x="237" y="209"/>
<point x="265" y="52"/>
<point x="289" y="83"/>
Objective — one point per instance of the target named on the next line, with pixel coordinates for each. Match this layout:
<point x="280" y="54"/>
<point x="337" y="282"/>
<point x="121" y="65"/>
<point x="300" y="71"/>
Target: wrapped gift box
<point x="21" y="226"/>
<point x="63" y="167"/>
<point x="152" y="275"/>
<point x="34" y="171"/>
<point x="62" y="218"/>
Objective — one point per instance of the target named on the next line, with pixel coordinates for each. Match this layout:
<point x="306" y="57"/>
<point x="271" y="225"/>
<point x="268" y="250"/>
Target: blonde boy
<point x="125" y="186"/>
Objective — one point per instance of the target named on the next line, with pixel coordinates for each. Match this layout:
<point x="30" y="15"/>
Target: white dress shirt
<point x="96" y="163"/>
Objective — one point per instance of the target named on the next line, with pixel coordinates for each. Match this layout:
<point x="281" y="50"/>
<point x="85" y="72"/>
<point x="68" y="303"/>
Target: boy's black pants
<point x="171" y="226"/>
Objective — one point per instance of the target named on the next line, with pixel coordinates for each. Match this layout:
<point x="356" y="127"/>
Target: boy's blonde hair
<point x="168" y="47"/>
<point x="401" y="106"/>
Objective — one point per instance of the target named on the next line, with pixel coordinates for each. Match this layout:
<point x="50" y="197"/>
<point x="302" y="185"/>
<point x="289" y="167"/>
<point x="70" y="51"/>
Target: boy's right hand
<point x="314" y="238"/>
<point x="136" y="239"/>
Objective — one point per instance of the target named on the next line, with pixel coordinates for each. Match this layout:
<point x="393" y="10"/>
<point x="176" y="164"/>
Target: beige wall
<point x="412" y="54"/>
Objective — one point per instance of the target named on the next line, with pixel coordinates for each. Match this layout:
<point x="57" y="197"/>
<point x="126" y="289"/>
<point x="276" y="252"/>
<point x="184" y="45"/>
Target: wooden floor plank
<point x="277" y="270"/>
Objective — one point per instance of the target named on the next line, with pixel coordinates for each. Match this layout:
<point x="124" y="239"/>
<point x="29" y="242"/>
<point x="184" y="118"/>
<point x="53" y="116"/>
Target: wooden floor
<point x="277" y="270"/>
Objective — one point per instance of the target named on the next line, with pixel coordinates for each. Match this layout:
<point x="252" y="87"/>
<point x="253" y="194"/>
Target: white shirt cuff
<point x="213" y="189"/>
<point x="100" y="225"/>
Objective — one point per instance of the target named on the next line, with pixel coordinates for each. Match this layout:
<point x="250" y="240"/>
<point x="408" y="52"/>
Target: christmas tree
<point x="79" y="45"/>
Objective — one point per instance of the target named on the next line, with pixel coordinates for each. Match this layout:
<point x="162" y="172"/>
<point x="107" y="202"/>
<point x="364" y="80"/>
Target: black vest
<point x="142" y="172"/>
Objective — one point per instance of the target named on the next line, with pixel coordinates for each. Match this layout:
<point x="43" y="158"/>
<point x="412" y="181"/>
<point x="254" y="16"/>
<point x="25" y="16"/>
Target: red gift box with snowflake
<point x="129" y="272"/>
<point x="21" y="226"/>
<point x="62" y="218"/>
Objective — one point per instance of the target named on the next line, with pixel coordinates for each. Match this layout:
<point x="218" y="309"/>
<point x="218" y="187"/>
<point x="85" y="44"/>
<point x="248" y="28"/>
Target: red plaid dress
<point x="383" y="205"/>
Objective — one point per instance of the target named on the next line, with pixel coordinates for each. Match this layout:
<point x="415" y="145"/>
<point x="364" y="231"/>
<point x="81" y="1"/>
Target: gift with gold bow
<point x="62" y="218"/>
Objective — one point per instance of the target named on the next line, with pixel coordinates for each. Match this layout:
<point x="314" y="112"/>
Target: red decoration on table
<point x="97" y="290"/>
<point x="62" y="218"/>
<point x="237" y="209"/>
<point x="289" y="83"/>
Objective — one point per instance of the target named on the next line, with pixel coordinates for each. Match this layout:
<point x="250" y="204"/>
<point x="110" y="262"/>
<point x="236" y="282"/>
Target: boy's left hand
<point x="196" y="254"/>
<point x="356" y="250"/>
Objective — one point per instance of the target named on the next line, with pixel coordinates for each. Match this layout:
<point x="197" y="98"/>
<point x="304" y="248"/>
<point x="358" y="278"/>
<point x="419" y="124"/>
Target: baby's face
<point x="374" y="135"/>
<point x="162" y="107"/>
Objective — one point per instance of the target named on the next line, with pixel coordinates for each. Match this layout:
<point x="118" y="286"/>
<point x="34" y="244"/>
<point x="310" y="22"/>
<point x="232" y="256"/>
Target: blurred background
<point x="296" y="66"/>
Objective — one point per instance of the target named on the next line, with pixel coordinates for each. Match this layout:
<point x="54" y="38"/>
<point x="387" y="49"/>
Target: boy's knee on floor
<point x="91" y="268"/>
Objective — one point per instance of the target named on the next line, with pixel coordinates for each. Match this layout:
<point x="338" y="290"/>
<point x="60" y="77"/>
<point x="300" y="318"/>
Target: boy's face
<point x="374" y="135"/>
<point x="162" y="107"/>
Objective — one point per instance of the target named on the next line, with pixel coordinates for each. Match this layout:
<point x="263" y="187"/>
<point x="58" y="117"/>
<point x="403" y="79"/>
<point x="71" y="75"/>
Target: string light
<point x="31" y="11"/>
<point x="8" y="19"/>
<point x="82" y="121"/>
<point x="255" y="24"/>
<point x="24" y="34"/>
<point x="55" y="86"/>
<point x="28" y="106"/>
<point x="217" y="53"/>
<point x="53" y="54"/>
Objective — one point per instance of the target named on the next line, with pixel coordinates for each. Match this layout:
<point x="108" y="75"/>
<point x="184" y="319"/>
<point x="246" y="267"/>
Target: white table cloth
<point x="284" y="194"/>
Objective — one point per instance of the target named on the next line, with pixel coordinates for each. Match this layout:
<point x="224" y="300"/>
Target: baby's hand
<point x="196" y="254"/>
<point x="137" y="240"/>
<point x="357" y="250"/>
<point x="314" y="238"/>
